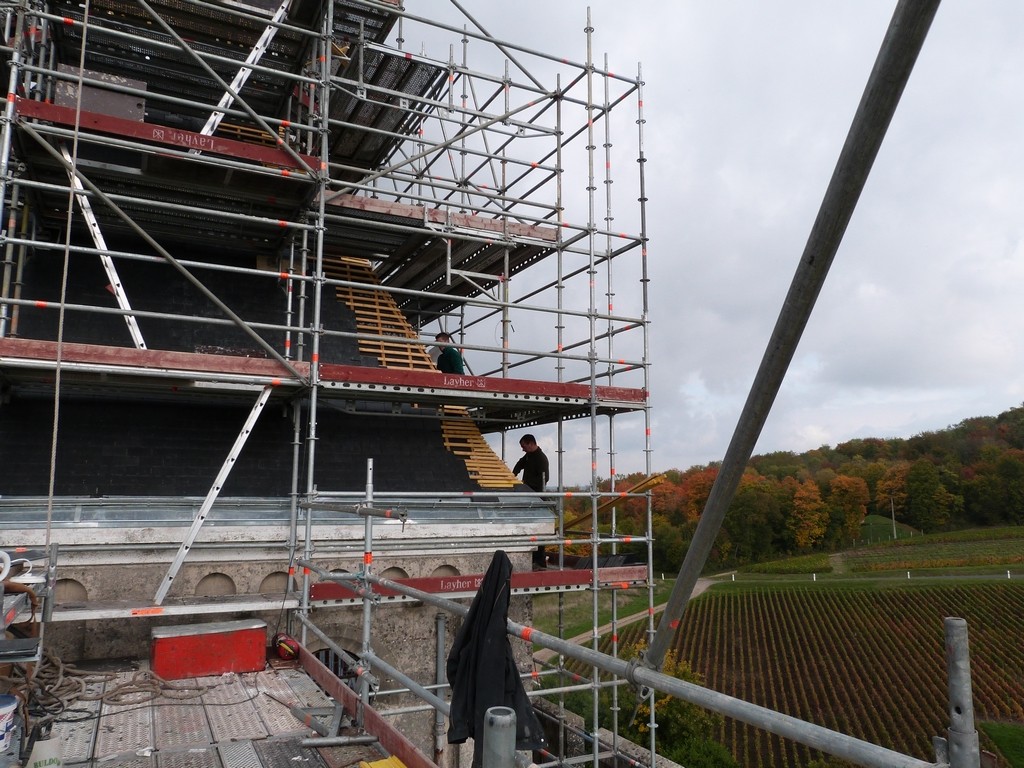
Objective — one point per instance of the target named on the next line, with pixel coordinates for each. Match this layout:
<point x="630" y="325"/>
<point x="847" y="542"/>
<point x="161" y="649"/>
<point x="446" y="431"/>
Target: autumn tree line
<point x="965" y="476"/>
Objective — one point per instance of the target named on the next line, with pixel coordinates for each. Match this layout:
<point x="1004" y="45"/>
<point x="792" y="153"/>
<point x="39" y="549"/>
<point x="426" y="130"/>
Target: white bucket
<point x="8" y="706"/>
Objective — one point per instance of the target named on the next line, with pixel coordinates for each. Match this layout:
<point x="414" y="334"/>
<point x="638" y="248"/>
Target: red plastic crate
<point x="195" y="650"/>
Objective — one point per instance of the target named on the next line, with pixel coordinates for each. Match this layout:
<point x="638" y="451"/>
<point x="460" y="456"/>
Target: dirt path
<point x="545" y="654"/>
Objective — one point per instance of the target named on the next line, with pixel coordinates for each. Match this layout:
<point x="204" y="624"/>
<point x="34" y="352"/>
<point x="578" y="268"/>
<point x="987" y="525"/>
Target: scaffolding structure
<point x="264" y="205"/>
<point x="347" y="167"/>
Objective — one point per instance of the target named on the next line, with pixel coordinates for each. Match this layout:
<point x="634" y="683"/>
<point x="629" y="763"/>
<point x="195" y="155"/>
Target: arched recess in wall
<point x="215" y="584"/>
<point x="274" y="582"/>
<point x="70" y="591"/>
<point x="445" y="570"/>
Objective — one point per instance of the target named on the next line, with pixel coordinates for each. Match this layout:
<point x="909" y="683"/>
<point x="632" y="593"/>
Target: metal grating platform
<point x="226" y="721"/>
<point x="127" y="728"/>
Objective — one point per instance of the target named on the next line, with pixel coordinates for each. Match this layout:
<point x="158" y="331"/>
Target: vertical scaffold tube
<point x="962" y="737"/>
<point x="441" y="678"/>
<point x="7" y="130"/>
<point x="367" y="567"/>
<point x="592" y="355"/>
<point x="499" y="738"/>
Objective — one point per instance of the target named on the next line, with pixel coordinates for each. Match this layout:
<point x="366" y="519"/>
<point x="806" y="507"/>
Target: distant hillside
<point x="968" y="475"/>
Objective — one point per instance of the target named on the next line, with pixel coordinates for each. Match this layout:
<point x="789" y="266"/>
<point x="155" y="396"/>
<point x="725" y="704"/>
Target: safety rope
<point x="61" y="312"/>
<point x="52" y="691"/>
<point x="32" y="694"/>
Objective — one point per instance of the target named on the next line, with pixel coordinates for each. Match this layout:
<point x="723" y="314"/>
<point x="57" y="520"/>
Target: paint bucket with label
<point x="46" y="754"/>
<point x="8" y="707"/>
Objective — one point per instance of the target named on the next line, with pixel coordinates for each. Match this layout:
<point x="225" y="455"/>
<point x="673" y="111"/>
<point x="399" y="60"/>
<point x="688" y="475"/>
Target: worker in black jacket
<point x="533" y="464"/>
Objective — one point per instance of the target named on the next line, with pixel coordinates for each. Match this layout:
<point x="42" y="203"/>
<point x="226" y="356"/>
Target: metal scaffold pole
<point x="904" y="38"/>
<point x="316" y="312"/>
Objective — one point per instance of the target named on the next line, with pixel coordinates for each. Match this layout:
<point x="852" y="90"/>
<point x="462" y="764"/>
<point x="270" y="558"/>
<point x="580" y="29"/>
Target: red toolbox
<point x="195" y="650"/>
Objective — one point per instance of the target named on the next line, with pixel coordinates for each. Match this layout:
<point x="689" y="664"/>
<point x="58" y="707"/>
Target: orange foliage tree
<point x="848" y="503"/>
<point x="808" y="520"/>
<point x="696" y="487"/>
<point x="891" y="491"/>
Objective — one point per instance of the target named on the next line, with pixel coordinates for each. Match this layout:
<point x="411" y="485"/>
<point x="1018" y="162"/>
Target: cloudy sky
<point x="919" y="324"/>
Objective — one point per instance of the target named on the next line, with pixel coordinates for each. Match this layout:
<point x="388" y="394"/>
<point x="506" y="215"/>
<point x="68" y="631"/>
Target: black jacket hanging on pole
<point x="481" y="669"/>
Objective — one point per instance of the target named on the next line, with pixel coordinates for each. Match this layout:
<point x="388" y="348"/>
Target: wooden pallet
<point x="250" y="134"/>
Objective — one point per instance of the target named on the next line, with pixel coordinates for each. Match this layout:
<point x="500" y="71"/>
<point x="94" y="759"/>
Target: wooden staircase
<point x="463" y="438"/>
<point x="377" y="314"/>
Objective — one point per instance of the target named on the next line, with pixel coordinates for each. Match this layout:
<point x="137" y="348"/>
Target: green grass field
<point x="1009" y="739"/>
<point x="966" y="553"/>
<point x="577" y="615"/>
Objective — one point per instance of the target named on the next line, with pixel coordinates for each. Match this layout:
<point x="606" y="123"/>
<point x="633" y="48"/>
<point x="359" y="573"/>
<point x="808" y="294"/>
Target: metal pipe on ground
<point x="338" y="741"/>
